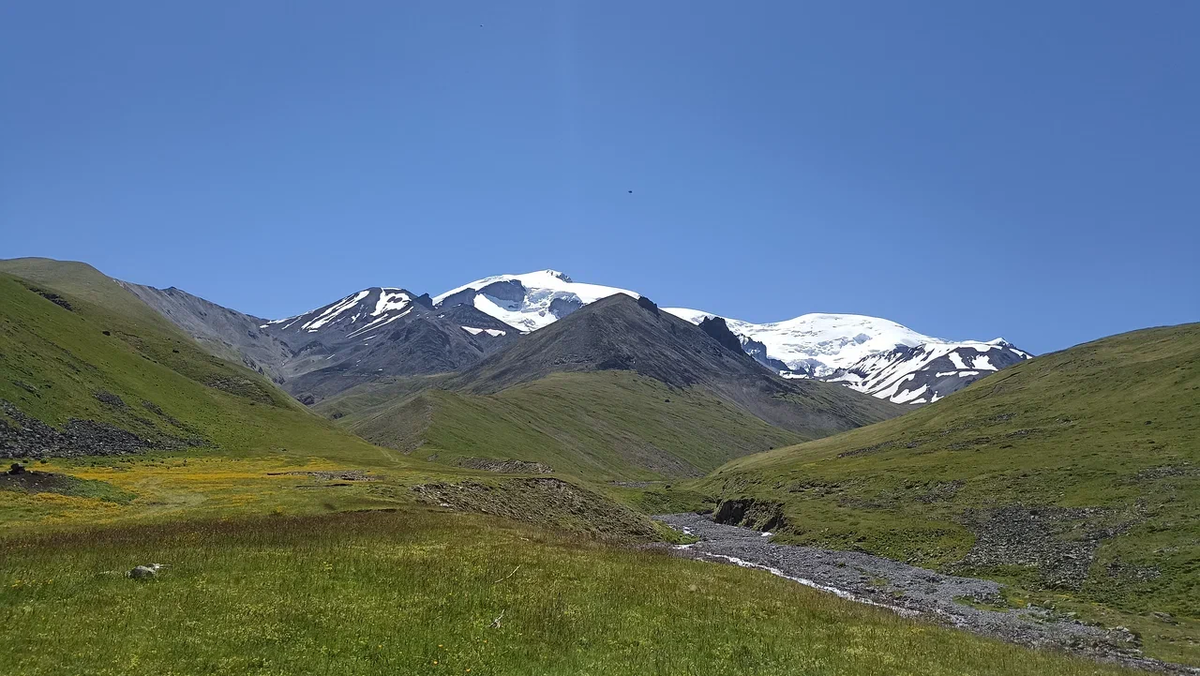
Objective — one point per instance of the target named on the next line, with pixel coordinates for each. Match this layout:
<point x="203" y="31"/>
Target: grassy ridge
<point x="601" y="425"/>
<point x="54" y="361"/>
<point x="1109" y="427"/>
<point x="85" y="283"/>
<point x="414" y="592"/>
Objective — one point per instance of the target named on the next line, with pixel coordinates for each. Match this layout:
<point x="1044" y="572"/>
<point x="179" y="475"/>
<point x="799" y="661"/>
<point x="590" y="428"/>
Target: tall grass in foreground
<point x="420" y="593"/>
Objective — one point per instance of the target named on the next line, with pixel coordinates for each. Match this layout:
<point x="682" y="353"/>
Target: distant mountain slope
<point x="871" y="355"/>
<point x="382" y="332"/>
<point x="620" y="333"/>
<point x="361" y="315"/>
<point x="598" y="425"/>
<point x="369" y="334"/>
<point x="926" y="372"/>
<point x="98" y="372"/>
<point x="618" y="389"/>
<point x="420" y="344"/>
<point x="227" y="333"/>
<point x="818" y="344"/>
<point x="1075" y="475"/>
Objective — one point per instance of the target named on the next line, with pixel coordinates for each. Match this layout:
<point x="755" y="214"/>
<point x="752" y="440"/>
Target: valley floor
<point x="972" y="604"/>
<point x="416" y="591"/>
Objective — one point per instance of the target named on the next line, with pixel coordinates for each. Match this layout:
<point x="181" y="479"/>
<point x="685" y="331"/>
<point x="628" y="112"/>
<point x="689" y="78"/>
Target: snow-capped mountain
<point x="869" y="354"/>
<point x="529" y="301"/>
<point x="379" y="332"/>
<point x="360" y="315"/>
<point x="927" y="372"/>
<point x="818" y="344"/>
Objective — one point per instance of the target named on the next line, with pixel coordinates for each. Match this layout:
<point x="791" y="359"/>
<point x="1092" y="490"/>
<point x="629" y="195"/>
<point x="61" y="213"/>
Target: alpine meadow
<point x="870" y="346"/>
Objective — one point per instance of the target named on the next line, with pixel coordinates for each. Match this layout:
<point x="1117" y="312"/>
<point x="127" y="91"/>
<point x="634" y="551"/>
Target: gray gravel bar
<point x="911" y="591"/>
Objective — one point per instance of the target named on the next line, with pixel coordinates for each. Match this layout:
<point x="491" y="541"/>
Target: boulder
<point x="145" y="572"/>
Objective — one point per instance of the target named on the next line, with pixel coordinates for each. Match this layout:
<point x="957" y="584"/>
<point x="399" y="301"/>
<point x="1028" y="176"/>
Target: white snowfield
<point x="391" y="299"/>
<point x="820" y="342"/>
<point x="542" y="288"/>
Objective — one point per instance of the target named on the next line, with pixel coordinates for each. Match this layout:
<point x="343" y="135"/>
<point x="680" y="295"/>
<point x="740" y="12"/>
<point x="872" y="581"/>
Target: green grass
<point x="53" y="361"/>
<point x="414" y="592"/>
<point x="275" y="572"/>
<point x="1111" y="424"/>
<point x="602" y="426"/>
<point x="65" y="484"/>
<point x="85" y="283"/>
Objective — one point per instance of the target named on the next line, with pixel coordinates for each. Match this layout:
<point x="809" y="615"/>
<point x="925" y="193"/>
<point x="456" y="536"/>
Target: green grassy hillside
<point x="1075" y="476"/>
<point x="601" y="426"/>
<point x="85" y="283"/>
<point x="119" y="363"/>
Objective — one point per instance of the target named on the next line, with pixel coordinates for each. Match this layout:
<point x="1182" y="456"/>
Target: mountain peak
<point x="528" y="301"/>
<point x="370" y="308"/>
<point x="558" y="275"/>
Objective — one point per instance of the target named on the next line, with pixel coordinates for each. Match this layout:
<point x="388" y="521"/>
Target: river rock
<point x="145" y="572"/>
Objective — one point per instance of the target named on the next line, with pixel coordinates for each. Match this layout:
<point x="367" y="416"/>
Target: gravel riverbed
<point x="912" y="591"/>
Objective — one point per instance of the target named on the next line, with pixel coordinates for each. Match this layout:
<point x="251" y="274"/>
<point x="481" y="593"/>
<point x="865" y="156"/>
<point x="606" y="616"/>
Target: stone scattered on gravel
<point x="28" y="437"/>
<point x="1164" y="617"/>
<point x="1060" y="542"/>
<point x="334" y="475"/>
<point x="52" y="297"/>
<point x="509" y="466"/>
<point x="106" y="397"/>
<point x="543" y="500"/>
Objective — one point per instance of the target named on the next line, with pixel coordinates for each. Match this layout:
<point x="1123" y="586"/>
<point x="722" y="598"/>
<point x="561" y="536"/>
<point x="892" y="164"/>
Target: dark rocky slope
<point x="224" y="332"/>
<point x="620" y="333"/>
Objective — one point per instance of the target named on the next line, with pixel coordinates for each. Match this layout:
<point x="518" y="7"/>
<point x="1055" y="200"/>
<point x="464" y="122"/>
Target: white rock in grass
<point x="146" y="572"/>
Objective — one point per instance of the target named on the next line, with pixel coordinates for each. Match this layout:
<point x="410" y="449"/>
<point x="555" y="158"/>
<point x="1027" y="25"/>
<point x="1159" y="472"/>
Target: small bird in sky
<point x="630" y="192"/>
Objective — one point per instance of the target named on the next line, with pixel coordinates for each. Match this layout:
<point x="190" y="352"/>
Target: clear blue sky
<point x="1025" y="169"/>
